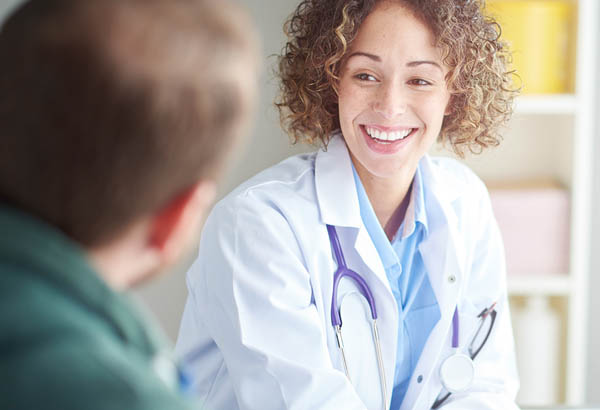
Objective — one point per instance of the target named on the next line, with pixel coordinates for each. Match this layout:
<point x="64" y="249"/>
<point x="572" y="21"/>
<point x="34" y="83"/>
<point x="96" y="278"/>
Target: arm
<point x="496" y="381"/>
<point x="254" y="294"/>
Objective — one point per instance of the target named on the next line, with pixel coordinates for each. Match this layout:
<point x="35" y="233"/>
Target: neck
<point x="389" y="197"/>
<point x="124" y="262"/>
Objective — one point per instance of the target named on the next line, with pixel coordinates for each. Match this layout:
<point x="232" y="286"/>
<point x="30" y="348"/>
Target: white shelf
<point x="546" y="104"/>
<point x="539" y="284"/>
<point x="580" y="109"/>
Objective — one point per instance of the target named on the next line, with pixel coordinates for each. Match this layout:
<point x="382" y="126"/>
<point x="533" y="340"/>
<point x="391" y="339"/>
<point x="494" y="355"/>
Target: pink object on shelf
<point x="534" y="221"/>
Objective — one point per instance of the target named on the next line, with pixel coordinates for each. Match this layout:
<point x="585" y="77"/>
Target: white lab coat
<point x="257" y="326"/>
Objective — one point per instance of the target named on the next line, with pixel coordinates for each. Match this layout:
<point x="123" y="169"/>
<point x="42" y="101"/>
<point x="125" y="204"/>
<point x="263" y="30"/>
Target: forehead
<point x="392" y="28"/>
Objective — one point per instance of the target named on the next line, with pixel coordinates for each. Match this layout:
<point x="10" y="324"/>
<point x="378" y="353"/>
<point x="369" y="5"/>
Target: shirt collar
<point x="415" y="213"/>
<point x="382" y="244"/>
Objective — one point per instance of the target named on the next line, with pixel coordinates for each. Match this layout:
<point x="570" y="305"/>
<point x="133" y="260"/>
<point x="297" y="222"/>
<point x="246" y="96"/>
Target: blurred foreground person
<point x="116" y="117"/>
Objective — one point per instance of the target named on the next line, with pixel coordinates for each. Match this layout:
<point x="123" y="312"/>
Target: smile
<point x="388" y="136"/>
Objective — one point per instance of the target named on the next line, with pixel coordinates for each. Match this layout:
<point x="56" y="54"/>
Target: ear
<point x="175" y="225"/>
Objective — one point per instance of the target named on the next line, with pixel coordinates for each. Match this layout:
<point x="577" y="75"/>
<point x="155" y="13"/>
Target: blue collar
<point x="415" y="214"/>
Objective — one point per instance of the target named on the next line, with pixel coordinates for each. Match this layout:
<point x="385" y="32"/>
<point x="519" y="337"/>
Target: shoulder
<point x="461" y="190"/>
<point x="456" y="180"/>
<point x="66" y="354"/>
<point x="71" y="371"/>
<point x="451" y="170"/>
<point x="280" y="189"/>
<point x="261" y="219"/>
<point x="288" y="175"/>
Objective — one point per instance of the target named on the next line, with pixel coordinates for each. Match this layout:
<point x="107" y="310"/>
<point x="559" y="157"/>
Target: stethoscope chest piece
<point x="457" y="373"/>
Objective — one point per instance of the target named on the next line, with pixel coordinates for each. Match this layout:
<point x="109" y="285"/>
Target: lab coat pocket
<point x="360" y="348"/>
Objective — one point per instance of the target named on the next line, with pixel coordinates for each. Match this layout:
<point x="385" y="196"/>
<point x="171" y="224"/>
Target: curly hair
<point x="320" y="34"/>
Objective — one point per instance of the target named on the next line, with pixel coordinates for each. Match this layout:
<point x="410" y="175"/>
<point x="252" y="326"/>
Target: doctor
<point x="274" y="320"/>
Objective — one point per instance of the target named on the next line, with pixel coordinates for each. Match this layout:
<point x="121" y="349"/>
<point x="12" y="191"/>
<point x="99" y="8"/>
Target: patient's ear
<point x="173" y="228"/>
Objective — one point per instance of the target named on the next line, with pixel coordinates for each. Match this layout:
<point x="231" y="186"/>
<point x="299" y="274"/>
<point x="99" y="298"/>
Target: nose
<point x="390" y="100"/>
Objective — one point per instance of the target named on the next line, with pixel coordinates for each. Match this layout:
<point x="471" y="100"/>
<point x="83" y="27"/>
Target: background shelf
<point x="546" y="104"/>
<point x="539" y="284"/>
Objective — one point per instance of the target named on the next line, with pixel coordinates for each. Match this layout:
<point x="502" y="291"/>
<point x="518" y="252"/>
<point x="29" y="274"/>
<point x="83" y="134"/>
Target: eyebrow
<point x="417" y="63"/>
<point x="360" y="53"/>
<point x="378" y="59"/>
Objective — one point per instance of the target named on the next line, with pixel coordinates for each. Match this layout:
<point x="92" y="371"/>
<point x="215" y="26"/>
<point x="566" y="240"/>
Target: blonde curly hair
<point x="320" y="33"/>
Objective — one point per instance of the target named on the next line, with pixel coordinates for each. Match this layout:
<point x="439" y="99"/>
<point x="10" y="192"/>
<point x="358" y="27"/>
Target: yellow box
<point x="541" y="35"/>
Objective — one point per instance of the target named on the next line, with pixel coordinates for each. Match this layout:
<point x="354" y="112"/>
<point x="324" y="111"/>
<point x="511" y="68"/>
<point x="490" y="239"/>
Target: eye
<point x="419" y="82"/>
<point x="365" y="77"/>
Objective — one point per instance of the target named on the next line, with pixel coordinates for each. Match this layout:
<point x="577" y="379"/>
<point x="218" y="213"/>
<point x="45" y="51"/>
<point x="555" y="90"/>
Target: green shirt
<point x="67" y="341"/>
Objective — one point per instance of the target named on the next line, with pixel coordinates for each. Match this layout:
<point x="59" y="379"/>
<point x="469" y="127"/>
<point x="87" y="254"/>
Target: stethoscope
<point x="457" y="370"/>
<point x="336" y="318"/>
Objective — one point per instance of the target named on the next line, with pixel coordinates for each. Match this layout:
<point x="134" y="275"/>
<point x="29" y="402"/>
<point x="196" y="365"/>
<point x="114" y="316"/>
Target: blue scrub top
<point x="417" y="306"/>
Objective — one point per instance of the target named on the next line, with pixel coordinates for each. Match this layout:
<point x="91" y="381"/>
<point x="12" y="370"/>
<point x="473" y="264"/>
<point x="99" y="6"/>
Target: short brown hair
<point x="111" y="108"/>
<point x="320" y="34"/>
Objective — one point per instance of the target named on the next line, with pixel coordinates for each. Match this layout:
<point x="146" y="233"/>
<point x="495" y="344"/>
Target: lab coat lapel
<point x="334" y="182"/>
<point x="442" y="252"/>
<point x="338" y="203"/>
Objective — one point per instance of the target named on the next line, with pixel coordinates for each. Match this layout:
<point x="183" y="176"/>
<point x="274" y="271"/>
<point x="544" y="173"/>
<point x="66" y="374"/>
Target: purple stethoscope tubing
<point x="455" y="329"/>
<point x="336" y="319"/>
<point x="342" y="271"/>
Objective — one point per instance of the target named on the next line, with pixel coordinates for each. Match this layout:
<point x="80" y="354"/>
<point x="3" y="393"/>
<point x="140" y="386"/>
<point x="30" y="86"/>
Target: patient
<point x="116" y="117"/>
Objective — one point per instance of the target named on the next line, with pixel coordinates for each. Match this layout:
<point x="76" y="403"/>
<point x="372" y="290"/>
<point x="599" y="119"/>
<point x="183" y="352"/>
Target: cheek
<point x="346" y="106"/>
<point x="351" y="97"/>
<point x="433" y="110"/>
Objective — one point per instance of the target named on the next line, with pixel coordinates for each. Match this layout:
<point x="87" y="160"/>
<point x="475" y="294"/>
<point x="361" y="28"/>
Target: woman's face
<point x="392" y="93"/>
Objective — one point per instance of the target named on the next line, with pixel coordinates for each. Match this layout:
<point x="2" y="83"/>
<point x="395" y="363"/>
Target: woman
<point x="376" y="83"/>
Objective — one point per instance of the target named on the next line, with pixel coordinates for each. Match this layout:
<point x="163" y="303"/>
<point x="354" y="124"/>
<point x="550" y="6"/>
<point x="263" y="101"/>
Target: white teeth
<point x="387" y="136"/>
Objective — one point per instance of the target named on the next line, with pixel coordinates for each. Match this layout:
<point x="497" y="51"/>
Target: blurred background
<point x="543" y="179"/>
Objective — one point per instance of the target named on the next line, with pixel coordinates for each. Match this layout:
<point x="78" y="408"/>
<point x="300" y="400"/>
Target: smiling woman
<point x="350" y="277"/>
<point x="392" y="98"/>
<point x="476" y="60"/>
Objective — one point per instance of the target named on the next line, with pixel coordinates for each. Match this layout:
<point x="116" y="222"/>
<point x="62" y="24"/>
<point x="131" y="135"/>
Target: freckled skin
<point x="392" y="92"/>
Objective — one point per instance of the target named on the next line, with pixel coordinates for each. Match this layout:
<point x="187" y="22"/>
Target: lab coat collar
<point x="336" y="191"/>
<point x="334" y="181"/>
<point x="339" y="206"/>
<point x="444" y="186"/>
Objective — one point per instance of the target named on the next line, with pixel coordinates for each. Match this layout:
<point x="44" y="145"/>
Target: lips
<point x="395" y="138"/>
<point x="388" y="136"/>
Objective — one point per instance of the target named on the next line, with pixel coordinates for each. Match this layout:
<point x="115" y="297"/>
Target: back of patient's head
<point x="111" y="108"/>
